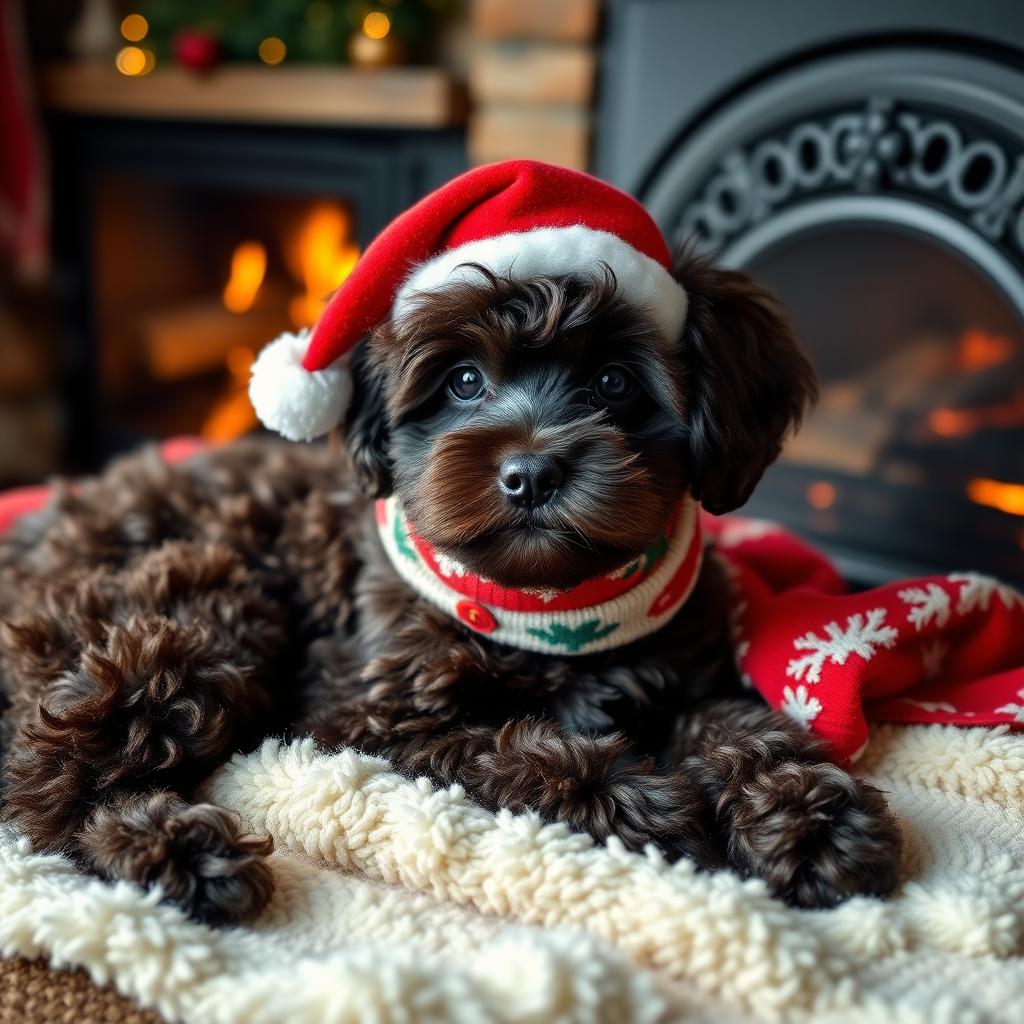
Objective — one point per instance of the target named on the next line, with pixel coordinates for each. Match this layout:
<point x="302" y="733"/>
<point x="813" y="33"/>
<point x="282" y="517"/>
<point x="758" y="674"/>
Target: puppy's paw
<point x="644" y="807"/>
<point x="198" y="854"/>
<point x="815" y="834"/>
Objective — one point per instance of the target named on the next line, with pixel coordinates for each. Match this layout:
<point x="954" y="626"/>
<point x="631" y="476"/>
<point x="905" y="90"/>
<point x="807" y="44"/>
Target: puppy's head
<point x="541" y="431"/>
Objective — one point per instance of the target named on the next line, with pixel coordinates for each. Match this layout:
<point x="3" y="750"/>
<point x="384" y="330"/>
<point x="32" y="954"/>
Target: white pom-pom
<point x="298" y="403"/>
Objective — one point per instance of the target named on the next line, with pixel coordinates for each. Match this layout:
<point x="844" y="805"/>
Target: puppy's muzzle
<point x="528" y="480"/>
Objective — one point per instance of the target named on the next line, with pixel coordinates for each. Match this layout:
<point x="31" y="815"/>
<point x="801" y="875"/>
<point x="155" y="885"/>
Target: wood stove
<point x="867" y="161"/>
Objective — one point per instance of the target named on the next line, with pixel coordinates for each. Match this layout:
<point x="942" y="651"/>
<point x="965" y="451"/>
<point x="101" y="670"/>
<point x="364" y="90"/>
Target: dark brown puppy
<point x="163" y="617"/>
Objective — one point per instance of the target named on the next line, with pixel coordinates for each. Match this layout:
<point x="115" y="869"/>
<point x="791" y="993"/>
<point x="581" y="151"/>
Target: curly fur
<point x="157" y="619"/>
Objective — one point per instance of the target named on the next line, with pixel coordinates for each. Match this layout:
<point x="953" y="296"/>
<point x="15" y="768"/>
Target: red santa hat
<point x="519" y="218"/>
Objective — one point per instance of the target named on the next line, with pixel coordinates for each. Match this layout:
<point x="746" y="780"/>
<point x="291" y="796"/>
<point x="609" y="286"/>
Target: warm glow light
<point x="376" y="25"/>
<point x="319" y="14"/>
<point x="953" y="422"/>
<point x="233" y="415"/>
<point x="134" y="28"/>
<point x="248" y="265"/>
<point x="1005" y="497"/>
<point x="134" y="61"/>
<point x="239" y="361"/>
<point x="821" y="494"/>
<point x="978" y="350"/>
<point x="323" y="256"/>
<point x="964" y="422"/>
<point x="272" y="50"/>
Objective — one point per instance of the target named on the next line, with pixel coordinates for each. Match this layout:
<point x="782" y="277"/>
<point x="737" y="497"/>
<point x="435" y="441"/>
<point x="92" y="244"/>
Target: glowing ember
<point x="821" y="494"/>
<point x="1005" y="497"/>
<point x="964" y="422"/>
<point x="323" y="256"/>
<point x="248" y="265"/>
<point x="978" y="350"/>
<point x="953" y="422"/>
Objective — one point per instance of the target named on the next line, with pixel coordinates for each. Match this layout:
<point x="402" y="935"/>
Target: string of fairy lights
<point x="373" y="34"/>
<point x="135" y="60"/>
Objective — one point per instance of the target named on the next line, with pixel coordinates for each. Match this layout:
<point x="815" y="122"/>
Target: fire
<point x="1005" y="497"/>
<point x="954" y="422"/>
<point x="323" y="256"/>
<point x="821" y="494"/>
<point x="978" y="350"/>
<point x="233" y="414"/>
<point x="248" y="265"/>
<point x="964" y="422"/>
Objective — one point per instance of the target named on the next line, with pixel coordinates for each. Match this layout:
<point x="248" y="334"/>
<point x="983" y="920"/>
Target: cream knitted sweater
<point x="397" y="902"/>
<point x="638" y="599"/>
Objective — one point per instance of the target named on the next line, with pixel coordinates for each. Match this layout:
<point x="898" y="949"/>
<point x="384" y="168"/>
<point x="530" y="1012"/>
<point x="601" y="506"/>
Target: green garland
<point x="312" y="30"/>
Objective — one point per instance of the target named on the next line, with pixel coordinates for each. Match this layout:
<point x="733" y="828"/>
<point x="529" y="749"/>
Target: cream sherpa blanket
<point x="397" y="902"/>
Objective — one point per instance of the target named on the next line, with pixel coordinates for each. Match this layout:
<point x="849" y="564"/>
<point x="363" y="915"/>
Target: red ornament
<point x="196" y="49"/>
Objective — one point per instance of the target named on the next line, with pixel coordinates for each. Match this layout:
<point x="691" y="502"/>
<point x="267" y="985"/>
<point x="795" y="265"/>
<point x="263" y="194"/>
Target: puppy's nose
<point x="530" y="480"/>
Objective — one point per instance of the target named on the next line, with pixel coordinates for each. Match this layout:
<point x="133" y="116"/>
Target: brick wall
<point x="531" y="80"/>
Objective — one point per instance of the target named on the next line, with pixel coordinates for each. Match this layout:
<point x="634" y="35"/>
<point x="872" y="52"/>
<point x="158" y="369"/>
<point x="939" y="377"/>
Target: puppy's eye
<point x="614" y="385"/>
<point x="466" y="382"/>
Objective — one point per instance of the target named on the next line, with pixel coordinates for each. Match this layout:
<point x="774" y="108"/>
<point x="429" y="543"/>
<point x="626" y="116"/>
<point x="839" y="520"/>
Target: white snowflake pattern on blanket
<point x="800" y="706"/>
<point x="1017" y="710"/>
<point x="931" y="706"/>
<point x="860" y="637"/>
<point x="733" y="534"/>
<point x="929" y="604"/>
<point x="976" y="592"/>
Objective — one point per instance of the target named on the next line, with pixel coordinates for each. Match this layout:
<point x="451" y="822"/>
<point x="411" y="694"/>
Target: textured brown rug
<point x="32" y="993"/>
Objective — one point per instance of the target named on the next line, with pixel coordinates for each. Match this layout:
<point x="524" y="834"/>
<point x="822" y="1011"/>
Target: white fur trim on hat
<point x="298" y="403"/>
<point x="554" y="251"/>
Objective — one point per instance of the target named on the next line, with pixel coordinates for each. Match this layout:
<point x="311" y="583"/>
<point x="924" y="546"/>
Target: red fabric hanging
<point x="23" y="202"/>
<point x="935" y="649"/>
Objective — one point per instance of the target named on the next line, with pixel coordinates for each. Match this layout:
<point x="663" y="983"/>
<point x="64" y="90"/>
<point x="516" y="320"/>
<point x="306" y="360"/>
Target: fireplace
<point x="867" y="161"/>
<point x="190" y="283"/>
<point x="182" y="246"/>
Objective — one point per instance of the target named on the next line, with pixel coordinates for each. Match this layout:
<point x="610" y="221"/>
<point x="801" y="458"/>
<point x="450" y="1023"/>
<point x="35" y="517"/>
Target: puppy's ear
<point x="366" y="426"/>
<point x="747" y="381"/>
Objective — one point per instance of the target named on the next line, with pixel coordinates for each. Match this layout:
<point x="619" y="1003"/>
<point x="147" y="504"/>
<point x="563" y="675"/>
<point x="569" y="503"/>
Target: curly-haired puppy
<point x="539" y="435"/>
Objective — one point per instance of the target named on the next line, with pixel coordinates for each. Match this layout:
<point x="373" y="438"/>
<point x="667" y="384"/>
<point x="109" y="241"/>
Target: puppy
<point x="533" y="435"/>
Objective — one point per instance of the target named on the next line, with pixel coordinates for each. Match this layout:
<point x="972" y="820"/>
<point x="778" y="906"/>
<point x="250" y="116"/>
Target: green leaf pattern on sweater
<point x="576" y="637"/>
<point x="402" y="541"/>
<point x="649" y="558"/>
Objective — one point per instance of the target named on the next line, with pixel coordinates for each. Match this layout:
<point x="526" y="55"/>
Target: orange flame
<point x="323" y="256"/>
<point x="233" y="415"/>
<point x="1005" y="497"/>
<point x="978" y="350"/>
<point x="964" y="422"/>
<point x="248" y="265"/>
<point x="954" y="422"/>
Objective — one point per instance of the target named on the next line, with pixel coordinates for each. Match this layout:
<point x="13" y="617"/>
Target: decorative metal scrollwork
<point x="883" y="147"/>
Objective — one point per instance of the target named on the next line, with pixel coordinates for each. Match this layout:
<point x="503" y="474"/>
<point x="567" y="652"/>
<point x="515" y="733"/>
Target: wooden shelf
<point x="392" y="97"/>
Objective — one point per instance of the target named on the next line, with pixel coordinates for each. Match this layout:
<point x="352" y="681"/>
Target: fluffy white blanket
<point x="397" y="902"/>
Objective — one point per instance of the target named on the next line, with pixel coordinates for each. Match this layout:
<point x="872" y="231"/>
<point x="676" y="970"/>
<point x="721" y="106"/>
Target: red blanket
<point x="937" y="649"/>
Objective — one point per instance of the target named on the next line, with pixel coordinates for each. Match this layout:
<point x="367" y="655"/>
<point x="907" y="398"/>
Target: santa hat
<point x="520" y="219"/>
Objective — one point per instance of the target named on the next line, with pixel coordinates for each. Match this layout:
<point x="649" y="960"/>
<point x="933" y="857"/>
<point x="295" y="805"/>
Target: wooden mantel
<point x="391" y="97"/>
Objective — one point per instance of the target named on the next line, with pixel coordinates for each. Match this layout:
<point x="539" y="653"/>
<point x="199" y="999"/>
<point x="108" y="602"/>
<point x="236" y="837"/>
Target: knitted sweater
<point x="598" y="614"/>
